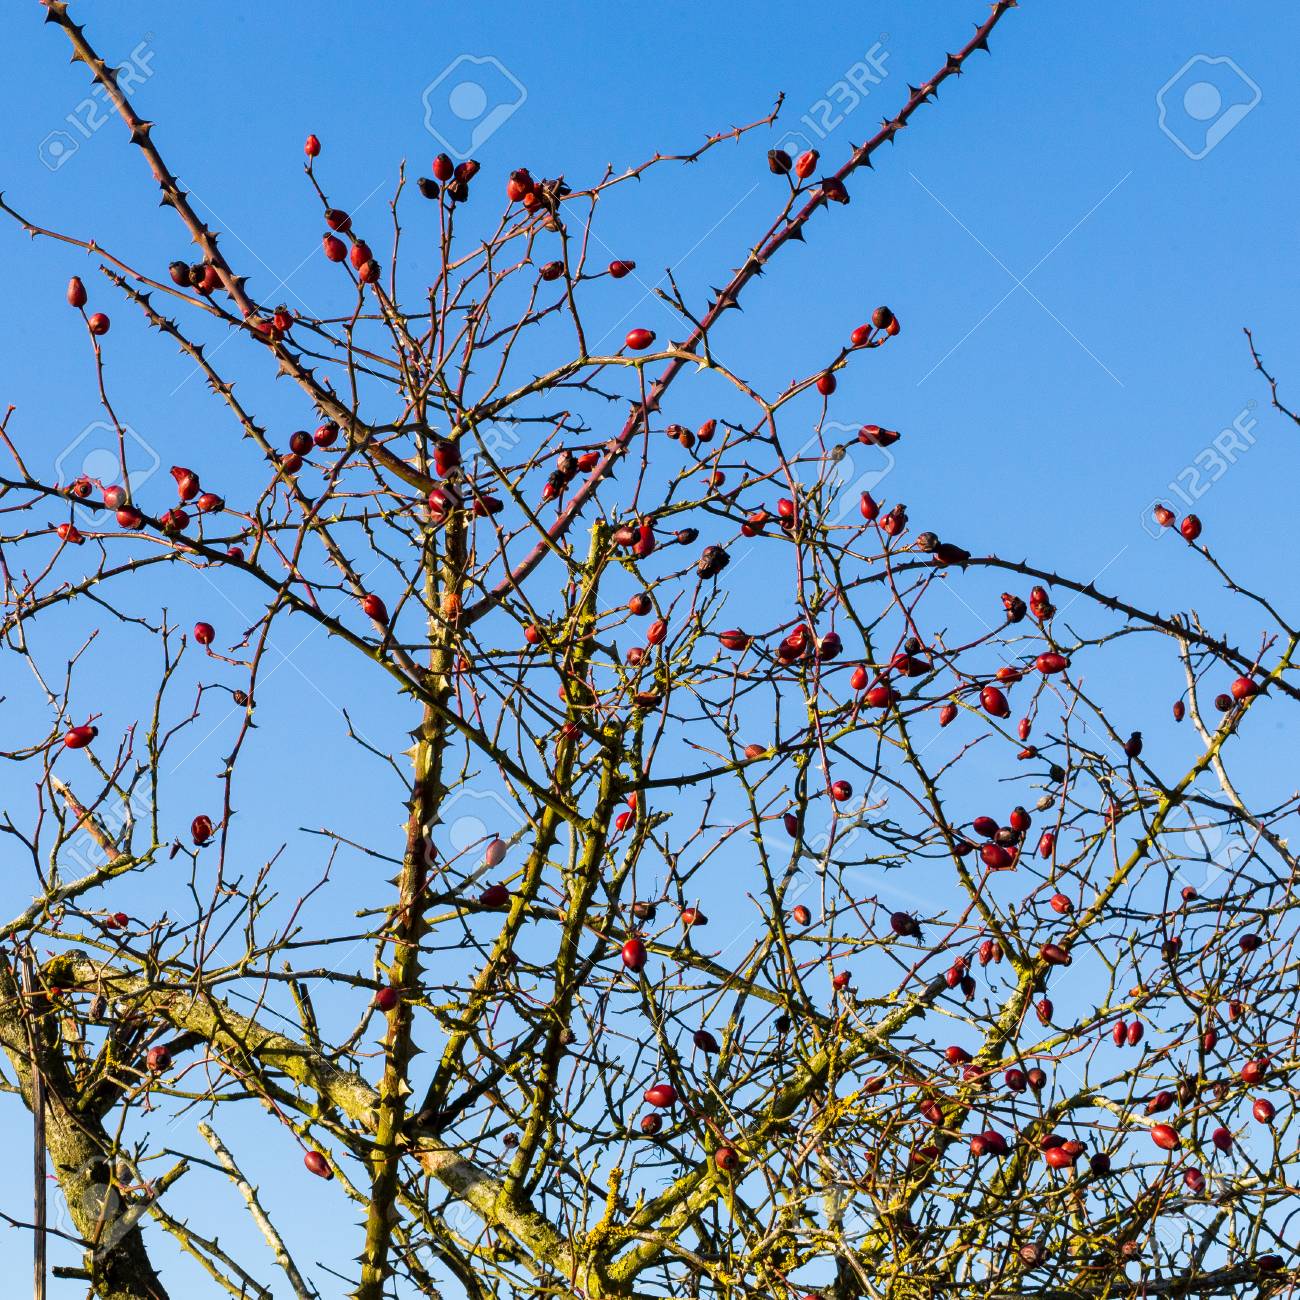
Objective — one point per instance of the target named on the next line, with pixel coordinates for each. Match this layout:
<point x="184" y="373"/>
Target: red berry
<point x="726" y="1159"/>
<point x="904" y="925"/>
<point x="386" y="999"/>
<point x="318" y="1165"/>
<point x="1243" y="688"/>
<point x="1165" y="1137"/>
<point x="806" y="164"/>
<point x="995" y="857"/>
<point x="1163" y="516"/>
<point x="98" y="323"/>
<point x="1263" y="1110"/>
<point x="1190" y="527"/>
<point x="661" y="1094"/>
<point x="619" y="269"/>
<point x="634" y="955"/>
<point x="312" y="147"/>
<point x="374" y="607"/>
<point x="705" y="1041"/>
<point x="1054" y="955"/>
<point x="1255" y="1071"/>
<point x="79" y="737"/>
<point x="201" y="829"/>
<point x="872" y="435"/>
<point x="76" y="292"/>
<point x="204" y="633"/>
<point x="826" y="384"/>
<point x="158" y="1059"/>
<point x="1160" y="1102"/>
<point x="994" y="702"/>
<point x="651" y="1124"/>
<point x="335" y="249"/>
<point x="1222" y="1139"/>
<point x="1051" y="662"/>
<point x="841" y="790"/>
<point x="801" y="915"/>
<point x="494" y="896"/>
<point x="639" y="339"/>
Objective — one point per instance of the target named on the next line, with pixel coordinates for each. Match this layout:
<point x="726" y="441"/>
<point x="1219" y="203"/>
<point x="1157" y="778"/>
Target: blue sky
<point x="1071" y="278"/>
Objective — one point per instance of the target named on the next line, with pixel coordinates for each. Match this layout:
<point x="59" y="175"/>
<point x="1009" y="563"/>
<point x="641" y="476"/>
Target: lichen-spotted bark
<point x="80" y="1150"/>
<point x="406" y="926"/>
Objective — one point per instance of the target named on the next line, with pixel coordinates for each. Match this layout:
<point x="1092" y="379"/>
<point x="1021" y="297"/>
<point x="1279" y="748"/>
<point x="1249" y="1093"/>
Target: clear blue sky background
<point x="1071" y="282"/>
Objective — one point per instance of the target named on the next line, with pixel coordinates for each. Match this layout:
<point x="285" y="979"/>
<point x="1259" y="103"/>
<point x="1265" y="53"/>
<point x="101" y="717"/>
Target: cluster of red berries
<point x="98" y="323"/>
<point x="1190" y="527"/>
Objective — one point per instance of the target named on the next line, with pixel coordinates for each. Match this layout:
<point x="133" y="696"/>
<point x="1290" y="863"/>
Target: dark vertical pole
<point x="39" y="1207"/>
